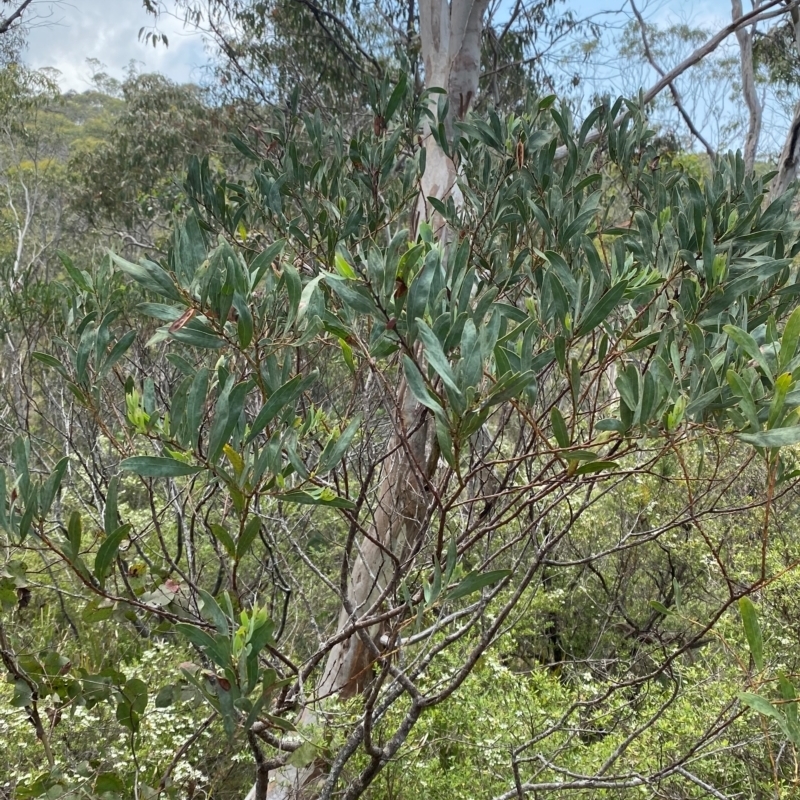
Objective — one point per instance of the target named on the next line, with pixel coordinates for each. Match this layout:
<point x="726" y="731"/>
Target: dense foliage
<point x="305" y="478"/>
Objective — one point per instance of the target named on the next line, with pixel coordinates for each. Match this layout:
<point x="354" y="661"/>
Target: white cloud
<point x="64" y="34"/>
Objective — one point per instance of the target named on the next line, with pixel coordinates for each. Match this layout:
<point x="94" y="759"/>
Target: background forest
<point x="400" y="414"/>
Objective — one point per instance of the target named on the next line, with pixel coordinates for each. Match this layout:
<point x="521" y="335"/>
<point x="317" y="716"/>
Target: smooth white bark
<point x="745" y="39"/>
<point x="450" y="34"/>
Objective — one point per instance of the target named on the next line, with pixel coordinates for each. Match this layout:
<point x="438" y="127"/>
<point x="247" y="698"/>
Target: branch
<point x="767" y="11"/>
<point x="673" y="89"/>
<point x="707" y="787"/>
<point x="319" y="12"/>
<point x="6" y="24"/>
<point x="750" y="18"/>
<point x="183" y="749"/>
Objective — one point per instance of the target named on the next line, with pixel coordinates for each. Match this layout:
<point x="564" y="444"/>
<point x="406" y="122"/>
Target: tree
<point x="745" y="39"/>
<point x="449" y="394"/>
<point x="557" y="357"/>
<point x="778" y="51"/>
<point x="322" y="54"/>
<point x="129" y="185"/>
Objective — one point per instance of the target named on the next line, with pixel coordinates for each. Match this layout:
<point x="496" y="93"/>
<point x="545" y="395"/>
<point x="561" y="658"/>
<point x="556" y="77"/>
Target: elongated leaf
<point x="777" y="437"/>
<point x="260" y="637"/>
<point x="436" y="357"/>
<point x="190" y="335"/>
<point x="107" y="551"/>
<point x="78" y="277"/>
<point x="216" y="436"/>
<point x="263" y="261"/>
<point x="789" y="340"/>
<point x="51" y="486"/>
<point x="214" y="648"/>
<point x="85" y="348"/>
<point x="397" y="96"/>
<point x="117" y="352"/>
<point x="214" y="613"/>
<point x="474" y="582"/>
<point x="763" y="706"/>
<point x="294" y="289"/>
<point x="194" y="405"/>
<point x="288" y="393"/>
<point x="244" y="325"/>
<point x="472" y="348"/>
<point x="564" y="273"/>
<point x="158" y="467"/>
<point x="335" y="450"/>
<point x="752" y="631"/>
<point x="789" y="695"/>
<point x="50" y="361"/>
<point x="74" y="531"/>
<point x="162" y="311"/>
<point x="417" y="385"/>
<point x="317" y="497"/>
<point x="305" y="297"/>
<point x="355" y="295"/>
<point x="248" y="536"/>
<point x="746" y="402"/>
<point x="343" y="268"/>
<point x="782" y="385"/>
<point x="224" y="538"/>
<point x="510" y="386"/>
<point x="151" y="276"/>
<point x="747" y="343"/>
<point x="559" y="427"/>
<point x="598" y="312"/>
<point x="111" y="512"/>
<point x="452" y="555"/>
<point x="419" y="290"/>
<point x="595" y="466"/>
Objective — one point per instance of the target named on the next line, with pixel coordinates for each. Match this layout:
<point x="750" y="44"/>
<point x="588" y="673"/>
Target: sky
<point x="64" y="34"/>
<point x="67" y="32"/>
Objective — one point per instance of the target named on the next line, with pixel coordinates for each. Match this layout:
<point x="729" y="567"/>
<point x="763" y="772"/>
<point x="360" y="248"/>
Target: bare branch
<point x="767" y="11"/>
<point x="5" y="25"/>
<point x="773" y="8"/>
<point x="672" y="87"/>
<point x="320" y="12"/>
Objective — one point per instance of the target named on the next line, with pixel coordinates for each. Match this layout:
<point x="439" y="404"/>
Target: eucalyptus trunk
<point x="745" y="39"/>
<point x="450" y="34"/>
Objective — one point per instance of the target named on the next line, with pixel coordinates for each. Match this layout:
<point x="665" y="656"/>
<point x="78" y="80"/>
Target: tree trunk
<point x="745" y="38"/>
<point x="450" y="34"/>
<point x="787" y="165"/>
